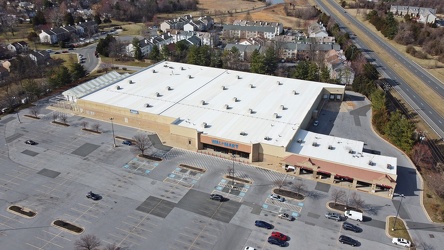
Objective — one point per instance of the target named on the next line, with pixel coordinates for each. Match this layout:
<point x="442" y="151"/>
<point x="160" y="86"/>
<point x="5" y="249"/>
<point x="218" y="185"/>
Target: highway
<point x="427" y="113"/>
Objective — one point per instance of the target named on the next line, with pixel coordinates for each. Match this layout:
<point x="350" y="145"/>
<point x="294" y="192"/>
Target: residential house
<point x="208" y="38"/>
<point x="194" y="41"/>
<point x="245" y="51"/>
<point x="238" y="31"/>
<point x="162" y="40"/>
<point x="40" y="57"/>
<point x="317" y="30"/>
<point x="339" y="67"/>
<point x="179" y="35"/>
<point x="278" y="27"/>
<point x="55" y="35"/>
<point x="145" y="47"/>
<point x="177" y="23"/>
<point x="304" y="50"/>
<point x="87" y="28"/>
<point x="421" y="14"/>
<point x="18" y="47"/>
<point x="207" y="21"/>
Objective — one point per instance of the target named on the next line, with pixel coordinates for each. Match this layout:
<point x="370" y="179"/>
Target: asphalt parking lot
<point x="157" y="204"/>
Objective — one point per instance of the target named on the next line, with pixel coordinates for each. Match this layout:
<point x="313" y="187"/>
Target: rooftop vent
<point x="267" y="138"/>
<point x="389" y="166"/>
<point x="295" y="92"/>
<point x="331" y="147"/>
<point x="235" y="99"/>
<point x="226" y="106"/>
<point x="315" y="144"/>
<point x="165" y="66"/>
<point x="147" y="105"/>
<point x="283" y="107"/>
<point x="275" y="115"/>
<point x="279" y="83"/>
<point x="154" y="71"/>
<point x="239" y="77"/>
<point x="371" y="163"/>
<point x="243" y="133"/>
<point x="224" y="88"/>
<point x="182" y="68"/>
<point x="190" y="77"/>
<point x="252" y="86"/>
<point x="351" y="151"/>
<point x="157" y="94"/>
<point x="169" y="88"/>
<point x="250" y="111"/>
<point x="117" y="87"/>
<point x="204" y="124"/>
<point x="130" y="81"/>
<point x="203" y="102"/>
<point x="299" y="140"/>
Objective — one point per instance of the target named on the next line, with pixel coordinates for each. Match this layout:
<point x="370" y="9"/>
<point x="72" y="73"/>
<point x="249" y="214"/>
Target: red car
<point x="279" y="236"/>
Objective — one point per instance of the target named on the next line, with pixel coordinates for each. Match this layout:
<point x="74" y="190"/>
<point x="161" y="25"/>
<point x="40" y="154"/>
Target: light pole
<point x="397" y="213"/>
<point x="112" y="127"/>
<point x="18" y="117"/>
<point x="232" y="171"/>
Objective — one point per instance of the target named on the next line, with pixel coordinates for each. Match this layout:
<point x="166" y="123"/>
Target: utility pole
<point x="397" y="213"/>
<point x="112" y="127"/>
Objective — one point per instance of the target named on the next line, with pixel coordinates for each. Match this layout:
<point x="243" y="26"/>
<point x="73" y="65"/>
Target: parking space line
<point x="33" y="246"/>
<point x="130" y="232"/>
<point x="8" y="181"/>
<point x="6" y="225"/>
<point x="50" y="242"/>
<point x="56" y="235"/>
<point x="11" y="219"/>
<point x="16" y="177"/>
<point x="84" y="212"/>
<point x="144" y="229"/>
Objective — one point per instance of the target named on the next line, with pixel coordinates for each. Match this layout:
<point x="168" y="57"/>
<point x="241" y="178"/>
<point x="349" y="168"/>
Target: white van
<point x="353" y="215"/>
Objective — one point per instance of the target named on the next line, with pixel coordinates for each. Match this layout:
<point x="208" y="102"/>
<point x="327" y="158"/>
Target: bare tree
<point x="357" y="202"/>
<point x="299" y="187"/>
<point x="63" y="118"/>
<point x="84" y="124"/>
<point x="34" y="111"/>
<point x="142" y="142"/>
<point x="337" y="195"/>
<point x="87" y="242"/>
<point x="114" y="246"/>
<point x="55" y="116"/>
<point x="95" y="127"/>
<point x="279" y="184"/>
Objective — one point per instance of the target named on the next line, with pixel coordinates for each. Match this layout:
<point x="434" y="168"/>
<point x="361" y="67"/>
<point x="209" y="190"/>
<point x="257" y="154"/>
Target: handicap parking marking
<point x="295" y="214"/>
<point x="301" y="204"/>
<point x="219" y="188"/>
<point x="265" y="206"/>
<point x="147" y="171"/>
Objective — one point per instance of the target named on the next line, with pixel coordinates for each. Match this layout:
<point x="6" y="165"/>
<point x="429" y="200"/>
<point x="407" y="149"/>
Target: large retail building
<point x="256" y="117"/>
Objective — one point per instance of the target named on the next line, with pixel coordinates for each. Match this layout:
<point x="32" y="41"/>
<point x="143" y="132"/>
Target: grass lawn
<point x="132" y="29"/>
<point x="400" y="229"/>
<point x="128" y="63"/>
<point x="69" y="58"/>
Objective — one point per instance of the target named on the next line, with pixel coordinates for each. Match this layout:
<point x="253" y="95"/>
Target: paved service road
<point x="429" y="115"/>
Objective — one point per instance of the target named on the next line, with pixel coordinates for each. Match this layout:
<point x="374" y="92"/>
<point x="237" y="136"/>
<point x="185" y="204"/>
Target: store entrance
<point x="226" y="151"/>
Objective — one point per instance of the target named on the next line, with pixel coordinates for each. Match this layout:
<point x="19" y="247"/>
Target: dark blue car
<point x="260" y="223"/>
<point x="275" y="241"/>
<point x="127" y="142"/>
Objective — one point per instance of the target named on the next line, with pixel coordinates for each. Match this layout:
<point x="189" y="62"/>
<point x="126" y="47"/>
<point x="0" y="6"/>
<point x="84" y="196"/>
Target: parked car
<point x="351" y="227"/>
<point x="217" y="197"/>
<point x="263" y="224"/>
<point x="401" y="242"/>
<point x="127" y="142"/>
<point x="65" y="51"/>
<point x="279" y="236"/>
<point x="275" y="241"/>
<point x="286" y="216"/>
<point x="277" y="197"/>
<point x="333" y="216"/>
<point x="249" y="248"/>
<point x="57" y="52"/>
<point x="93" y="196"/>
<point x="348" y="240"/>
<point x="30" y="142"/>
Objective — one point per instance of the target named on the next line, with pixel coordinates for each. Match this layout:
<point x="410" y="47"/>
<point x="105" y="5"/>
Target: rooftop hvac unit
<point x="165" y="66"/>
<point x="238" y="77"/>
<point x="190" y="77"/>
<point x="154" y="71"/>
<point x="315" y="144"/>
<point x="130" y="81"/>
<point x="117" y="87"/>
<point x="182" y="68"/>
<point x="299" y="140"/>
<point x="147" y="105"/>
<point x="283" y="107"/>
<point x="251" y="86"/>
<point x="224" y="88"/>
<point x="250" y="111"/>
<point x="330" y="147"/>
<point x="226" y="106"/>
<point x="169" y="88"/>
<point x="351" y="151"/>
<point x="204" y="124"/>
<point x="389" y="166"/>
<point x="275" y="115"/>
<point x="157" y="94"/>
<point x="267" y="138"/>
<point x="234" y="99"/>
<point x="279" y="83"/>
<point x="243" y="133"/>
<point x="371" y="163"/>
<point x="203" y="102"/>
<point x="295" y="92"/>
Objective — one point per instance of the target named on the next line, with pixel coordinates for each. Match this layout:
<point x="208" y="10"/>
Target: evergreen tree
<point x="165" y="53"/>
<point x="301" y="71"/>
<point x="137" y="51"/>
<point x="325" y="74"/>
<point x="270" y="60"/>
<point x="39" y="19"/>
<point x="97" y="19"/>
<point x="193" y="55"/>
<point x="313" y="72"/>
<point x="69" y="19"/>
<point x="60" y="77"/>
<point x="370" y="71"/>
<point x="204" y="55"/>
<point x="257" y="64"/>
<point x="216" y="59"/>
<point x="103" y="45"/>
<point x="77" y="71"/>
<point x="390" y="27"/>
<point x="154" y="54"/>
<point x="400" y="131"/>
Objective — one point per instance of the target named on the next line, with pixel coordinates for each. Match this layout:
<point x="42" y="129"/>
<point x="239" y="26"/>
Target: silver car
<point x="286" y="216"/>
<point x="277" y="197"/>
<point x="333" y="216"/>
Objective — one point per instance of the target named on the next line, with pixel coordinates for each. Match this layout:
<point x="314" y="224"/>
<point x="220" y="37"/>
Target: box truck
<point x="353" y="215"/>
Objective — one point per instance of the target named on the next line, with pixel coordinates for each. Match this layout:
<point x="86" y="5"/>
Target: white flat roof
<point x="181" y="89"/>
<point x="344" y="151"/>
